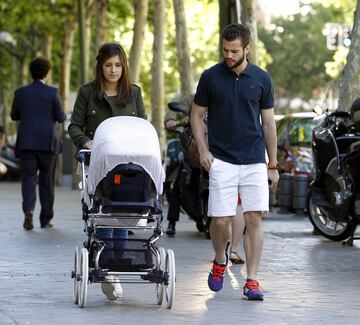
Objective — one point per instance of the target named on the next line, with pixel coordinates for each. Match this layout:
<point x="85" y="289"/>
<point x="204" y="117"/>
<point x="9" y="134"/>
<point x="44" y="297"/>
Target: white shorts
<point x="227" y="181"/>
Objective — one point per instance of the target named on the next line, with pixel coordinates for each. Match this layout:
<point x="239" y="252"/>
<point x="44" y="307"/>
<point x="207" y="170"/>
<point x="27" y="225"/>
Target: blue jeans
<point x="119" y="244"/>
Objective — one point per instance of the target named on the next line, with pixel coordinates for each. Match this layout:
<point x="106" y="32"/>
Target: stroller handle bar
<point x="81" y="157"/>
<point x="82" y="154"/>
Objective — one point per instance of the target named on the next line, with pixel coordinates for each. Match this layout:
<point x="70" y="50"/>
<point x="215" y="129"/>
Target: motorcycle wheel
<point x="336" y="231"/>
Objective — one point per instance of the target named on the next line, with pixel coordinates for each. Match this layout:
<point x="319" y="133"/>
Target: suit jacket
<point x="38" y="107"/>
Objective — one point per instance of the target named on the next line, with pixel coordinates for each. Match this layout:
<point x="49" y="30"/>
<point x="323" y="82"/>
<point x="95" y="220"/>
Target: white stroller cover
<point x="124" y="139"/>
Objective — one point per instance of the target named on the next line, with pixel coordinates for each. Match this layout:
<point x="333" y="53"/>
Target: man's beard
<point x="237" y="63"/>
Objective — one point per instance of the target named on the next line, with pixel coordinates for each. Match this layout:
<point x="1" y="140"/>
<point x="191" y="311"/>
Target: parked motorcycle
<point x="193" y="184"/>
<point x="11" y="163"/>
<point x="334" y="200"/>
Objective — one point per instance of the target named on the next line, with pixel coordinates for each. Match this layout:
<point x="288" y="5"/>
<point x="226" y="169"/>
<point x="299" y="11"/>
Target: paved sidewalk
<point x="307" y="279"/>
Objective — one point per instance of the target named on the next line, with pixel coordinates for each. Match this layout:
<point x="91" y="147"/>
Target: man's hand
<point x="170" y="124"/>
<point x="273" y="177"/>
<point x="206" y="160"/>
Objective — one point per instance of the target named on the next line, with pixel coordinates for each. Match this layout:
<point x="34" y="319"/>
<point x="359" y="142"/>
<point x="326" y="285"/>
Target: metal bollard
<point x="285" y="192"/>
<point x="300" y="192"/>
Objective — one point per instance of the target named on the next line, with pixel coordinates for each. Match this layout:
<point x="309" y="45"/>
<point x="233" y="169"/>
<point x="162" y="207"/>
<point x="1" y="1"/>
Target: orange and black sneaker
<point x="252" y="290"/>
<point x="216" y="276"/>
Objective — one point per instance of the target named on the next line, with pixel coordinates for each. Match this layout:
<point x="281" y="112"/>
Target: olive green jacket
<point x="89" y="112"/>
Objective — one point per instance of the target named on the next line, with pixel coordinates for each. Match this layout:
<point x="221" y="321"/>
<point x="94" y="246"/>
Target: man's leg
<point x="223" y="195"/>
<point x="29" y="167"/>
<point x="46" y="162"/>
<point x="253" y="242"/>
<point x="254" y="192"/>
<point x="174" y="208"/>
<point x="237" y="230"/>
<point x="220" y="236"/>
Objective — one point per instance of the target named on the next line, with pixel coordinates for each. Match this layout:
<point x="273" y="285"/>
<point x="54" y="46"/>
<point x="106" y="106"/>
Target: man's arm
<point x="58" y="108"/>
<point x="197" y="127"/>
<point x="269" y="128"/>
<point x="15" y="115"/>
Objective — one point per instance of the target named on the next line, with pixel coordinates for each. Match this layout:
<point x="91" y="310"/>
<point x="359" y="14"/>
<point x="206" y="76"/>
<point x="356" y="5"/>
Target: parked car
<point x="294" y="132"/>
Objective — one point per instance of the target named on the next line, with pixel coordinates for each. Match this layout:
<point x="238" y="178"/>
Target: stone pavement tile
<point x="307" y="279"/>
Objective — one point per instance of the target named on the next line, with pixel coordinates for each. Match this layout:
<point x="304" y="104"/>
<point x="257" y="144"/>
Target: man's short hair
<point x="237" y="31"/>
<point x="39" y="68"/>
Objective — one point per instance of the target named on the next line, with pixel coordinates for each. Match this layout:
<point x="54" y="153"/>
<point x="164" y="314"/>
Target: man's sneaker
<point x="252" y="291"/>
<point x="216" y="276"/>
<point x="112" y="289"/>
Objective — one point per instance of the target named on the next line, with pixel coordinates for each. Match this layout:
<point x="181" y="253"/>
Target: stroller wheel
<point x="160" y="265"/>
<point x="84" y="276"/>
<point x="170" y="286"/>
<point x="76" y="273"/>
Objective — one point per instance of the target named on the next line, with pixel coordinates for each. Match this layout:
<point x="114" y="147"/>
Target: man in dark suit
<point x="38" y="108"/>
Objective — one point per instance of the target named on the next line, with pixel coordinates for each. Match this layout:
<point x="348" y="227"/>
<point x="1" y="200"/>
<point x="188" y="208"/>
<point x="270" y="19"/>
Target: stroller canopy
<point x="125" y="139"/>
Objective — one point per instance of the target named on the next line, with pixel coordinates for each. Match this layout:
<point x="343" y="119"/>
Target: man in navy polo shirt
<point x="239" y="98"/>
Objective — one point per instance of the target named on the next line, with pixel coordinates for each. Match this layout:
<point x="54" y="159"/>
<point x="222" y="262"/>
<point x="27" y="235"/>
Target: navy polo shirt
<point x="234" y="104"/>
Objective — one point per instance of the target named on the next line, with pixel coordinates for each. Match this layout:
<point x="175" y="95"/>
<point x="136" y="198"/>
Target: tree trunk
<point x="66" y="56"/>
<point x="82" y="40"/>
<point x="102" y="7"/>
<point x="90" y="12"/>
<point x="224" y="19"/>
<point x="248" y="18"/>
<point x="157" y="86"/>
<point x="89" y="67"/>
<point x="64" y="82"/>
<point x="141" y="13"/>
<point x="350" y="76"/>
<point x="183" y="51"/>
<point x="3" y="111"/>
<point x="48" y="54"/>
<point x="23" y="71"/>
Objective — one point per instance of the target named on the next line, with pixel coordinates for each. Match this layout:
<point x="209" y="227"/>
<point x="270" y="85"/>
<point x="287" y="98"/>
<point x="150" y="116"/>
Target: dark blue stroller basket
<point x="127" y="189"/>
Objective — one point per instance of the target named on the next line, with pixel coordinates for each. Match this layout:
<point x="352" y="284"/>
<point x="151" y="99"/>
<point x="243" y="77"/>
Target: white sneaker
<point x="112" y="289"/>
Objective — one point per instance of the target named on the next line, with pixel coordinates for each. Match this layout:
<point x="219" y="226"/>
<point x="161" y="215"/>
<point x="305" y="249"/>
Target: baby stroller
<point x="120" y="190"/>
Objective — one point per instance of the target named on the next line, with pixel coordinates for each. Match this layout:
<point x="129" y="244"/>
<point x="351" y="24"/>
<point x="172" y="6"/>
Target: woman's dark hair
<point x="39" y="68"/>
<point x="237" y="31"/>
<point x="124" y="92"/>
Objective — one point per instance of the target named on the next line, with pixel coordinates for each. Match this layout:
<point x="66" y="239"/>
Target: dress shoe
<point x="28" y="222"/>
<point x="171" y="231"/>
<point x="46" y="225"/>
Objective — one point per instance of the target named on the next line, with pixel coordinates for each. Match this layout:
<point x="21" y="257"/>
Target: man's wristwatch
<point x="273" y="165"/>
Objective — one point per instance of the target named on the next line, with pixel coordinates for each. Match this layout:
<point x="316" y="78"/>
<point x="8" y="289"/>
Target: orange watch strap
<point x="273" y="165"/>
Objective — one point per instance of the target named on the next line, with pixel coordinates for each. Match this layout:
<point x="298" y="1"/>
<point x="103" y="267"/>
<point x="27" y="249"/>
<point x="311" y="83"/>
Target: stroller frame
<point x="87" y="268"/>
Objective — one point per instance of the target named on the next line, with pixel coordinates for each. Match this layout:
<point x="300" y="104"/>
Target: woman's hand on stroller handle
<point x="88" y="145"/>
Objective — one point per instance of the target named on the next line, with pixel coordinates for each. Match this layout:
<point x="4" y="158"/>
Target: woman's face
<point x="112" y="69"/>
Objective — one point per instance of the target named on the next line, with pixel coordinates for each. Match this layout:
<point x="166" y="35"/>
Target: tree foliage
<point x="297" y="46"/>
<point x="350" y="77"/>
